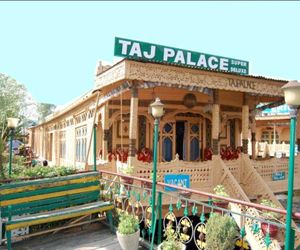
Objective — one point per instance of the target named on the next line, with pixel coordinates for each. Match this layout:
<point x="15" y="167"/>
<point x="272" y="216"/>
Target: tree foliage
<point x="45" y="109"/>
<point x="12" y="98"/>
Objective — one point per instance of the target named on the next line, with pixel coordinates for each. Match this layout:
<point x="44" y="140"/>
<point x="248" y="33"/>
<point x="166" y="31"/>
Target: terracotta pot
<point x="273" y="230"/>
<point x="221" y="204"/>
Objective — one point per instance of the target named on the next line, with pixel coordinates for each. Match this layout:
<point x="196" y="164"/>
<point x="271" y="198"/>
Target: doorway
<point x="180" y="139"/>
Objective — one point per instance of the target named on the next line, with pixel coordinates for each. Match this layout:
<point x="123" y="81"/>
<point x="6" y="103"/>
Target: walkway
<point x="90" y="237"/>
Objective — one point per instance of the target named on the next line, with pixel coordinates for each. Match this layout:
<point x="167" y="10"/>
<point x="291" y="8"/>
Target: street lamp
<point x="12" y="123"/>
<point x="157" y="111"/>
<point x="292" y="98"/>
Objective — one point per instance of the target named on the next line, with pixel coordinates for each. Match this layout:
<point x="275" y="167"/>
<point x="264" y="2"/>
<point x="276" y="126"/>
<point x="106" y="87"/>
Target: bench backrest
<point x="49" y="194"/>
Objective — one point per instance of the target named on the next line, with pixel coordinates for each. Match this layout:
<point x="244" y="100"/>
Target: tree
<point x="44" y="109"/>
<point x="12" y="99"/>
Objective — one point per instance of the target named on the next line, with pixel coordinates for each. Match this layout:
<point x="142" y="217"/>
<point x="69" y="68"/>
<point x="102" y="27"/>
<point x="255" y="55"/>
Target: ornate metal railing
<point x="187" y="212"/>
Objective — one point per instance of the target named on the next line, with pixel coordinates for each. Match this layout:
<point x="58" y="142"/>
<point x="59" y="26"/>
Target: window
<point x="268" y="136"/>
<point x="81" y="142"/>
<point x="62" y="144"/>
<point x="167" y="142"/>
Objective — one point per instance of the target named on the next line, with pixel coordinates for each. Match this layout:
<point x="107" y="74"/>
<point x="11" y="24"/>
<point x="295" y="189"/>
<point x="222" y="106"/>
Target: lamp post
<point x="95" y="146"/>
<point x="157" y="111"/>
<point x="12" y="123"/>
<point x="292" y="98"/>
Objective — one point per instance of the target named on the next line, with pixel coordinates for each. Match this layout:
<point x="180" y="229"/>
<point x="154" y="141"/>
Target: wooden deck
<point x="90" y="237"/>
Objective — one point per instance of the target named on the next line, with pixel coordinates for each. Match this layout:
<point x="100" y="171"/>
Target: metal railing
<point x="135" y="197"/>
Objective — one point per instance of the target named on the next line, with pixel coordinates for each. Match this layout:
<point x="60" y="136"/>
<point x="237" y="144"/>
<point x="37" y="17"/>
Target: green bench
<point x="51" y="199"/>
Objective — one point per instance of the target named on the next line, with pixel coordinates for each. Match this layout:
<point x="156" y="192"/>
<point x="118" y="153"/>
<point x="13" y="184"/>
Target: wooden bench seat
<point x="56" y="215"/>
<point x="51" y="199"/>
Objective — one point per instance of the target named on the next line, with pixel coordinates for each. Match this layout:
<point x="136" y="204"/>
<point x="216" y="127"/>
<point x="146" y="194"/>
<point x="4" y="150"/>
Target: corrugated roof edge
<point x="202" y="69"/>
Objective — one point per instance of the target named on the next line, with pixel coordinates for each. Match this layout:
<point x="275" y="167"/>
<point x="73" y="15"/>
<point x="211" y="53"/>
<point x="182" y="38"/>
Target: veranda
<point x="205" y="113"/>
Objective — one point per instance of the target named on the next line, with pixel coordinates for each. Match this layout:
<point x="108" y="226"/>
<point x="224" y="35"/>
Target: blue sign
<point x="278" y="176"/>
<point x="182" y="180"/>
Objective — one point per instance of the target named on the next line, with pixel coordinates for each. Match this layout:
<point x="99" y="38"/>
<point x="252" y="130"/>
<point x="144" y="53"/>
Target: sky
<point x="53" y="47"/>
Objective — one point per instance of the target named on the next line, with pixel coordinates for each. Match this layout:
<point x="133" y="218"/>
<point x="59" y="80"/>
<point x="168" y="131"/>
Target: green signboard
<point x="165" y="54"/>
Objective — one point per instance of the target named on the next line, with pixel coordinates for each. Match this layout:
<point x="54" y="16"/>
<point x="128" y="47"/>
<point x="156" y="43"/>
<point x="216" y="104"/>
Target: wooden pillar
<point x="253" y="135"/>
<point x="105" y="129"/>
<point x="245" y="126"/>
<point x="133" y="126"/>
<point x="215" y="123"/>
<point x="203" y="129"/>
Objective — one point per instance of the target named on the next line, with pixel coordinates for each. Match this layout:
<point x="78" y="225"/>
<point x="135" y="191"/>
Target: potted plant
<point x="221" y="191"/>
<point x="271" y="216"/>
<point x="129" y="170"/>
<point x="171" y="242"/>
<point x="128" y="232"/>
<point x="220" y="232"/>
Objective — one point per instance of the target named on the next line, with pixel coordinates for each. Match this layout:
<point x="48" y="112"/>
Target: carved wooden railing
<point x="234" y="167"/>
<point x="242" y="178"/>
<point x="228" y="180"/>
<point x="200" y="172"/>
<point x="256" y="186"/>
<point x="232" y="175"/>
<point x="267" y="168"/>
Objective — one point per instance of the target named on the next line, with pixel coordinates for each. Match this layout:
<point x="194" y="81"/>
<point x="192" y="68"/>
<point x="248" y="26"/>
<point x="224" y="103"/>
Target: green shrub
<point x="21" y="171"/>
<point x="128" y="224"/>
<point x="171" y="242"/>
<point x="268" y="214"/>
<point x="220" y="190"/>
<point x="220" y="232"/>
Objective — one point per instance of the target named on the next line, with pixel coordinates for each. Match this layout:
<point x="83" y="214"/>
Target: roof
<point x="201" y="69"/>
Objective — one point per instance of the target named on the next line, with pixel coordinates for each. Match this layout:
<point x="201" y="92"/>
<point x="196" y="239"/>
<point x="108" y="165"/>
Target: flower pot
<point x="221" y="204"/>
<point x="130" y="241"/>
<point x="183" y="247"/>
<point x="273" y="230"/>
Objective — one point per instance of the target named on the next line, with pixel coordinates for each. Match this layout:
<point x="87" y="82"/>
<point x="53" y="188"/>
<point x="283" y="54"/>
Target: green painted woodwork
<point x="194" y="210"/>
<point x="8" y="233"/>
<point x="160" y="220"/>
<point x="153" y="207"/>
<point x="10" y="152"/>
<point x="109" y="216"/>
<point x="48" y="190"/>
<point x="50" y="204"/>
<point x="60" y="212"/>
<point x="289" y="238"/>
<point x="47" y="180"/>
<point x="77" y="195"/>
<point x="150" y="52"/>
